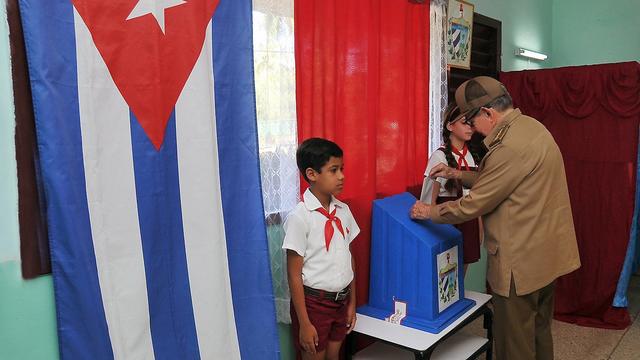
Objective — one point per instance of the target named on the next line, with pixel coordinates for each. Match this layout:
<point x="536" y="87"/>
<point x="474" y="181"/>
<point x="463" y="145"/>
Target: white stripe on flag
<point x="203" y="221"/>
<point x="111" y="196"/>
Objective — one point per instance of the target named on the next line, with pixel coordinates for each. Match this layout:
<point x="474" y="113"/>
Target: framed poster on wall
<point x="459" y="34"/>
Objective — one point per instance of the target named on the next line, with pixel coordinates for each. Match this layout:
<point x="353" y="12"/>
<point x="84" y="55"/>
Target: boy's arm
<point x="351" y="312"/>
<point x="308" y="335"/>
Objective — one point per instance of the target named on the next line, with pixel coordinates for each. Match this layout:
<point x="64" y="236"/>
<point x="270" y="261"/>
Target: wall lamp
<point x="531" y="54"/>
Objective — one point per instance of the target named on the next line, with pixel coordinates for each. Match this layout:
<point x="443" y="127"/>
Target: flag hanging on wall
<point x="145" y="118"/>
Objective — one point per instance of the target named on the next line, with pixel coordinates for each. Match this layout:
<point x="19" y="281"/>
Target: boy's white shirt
<point x="304" y="233"/>
<point x="438" y="157"/>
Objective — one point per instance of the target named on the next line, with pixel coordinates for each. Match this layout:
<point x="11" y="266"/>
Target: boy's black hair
<point x="315" y="153"/>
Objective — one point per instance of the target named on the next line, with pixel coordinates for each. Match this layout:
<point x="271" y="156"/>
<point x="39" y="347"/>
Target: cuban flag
<point x="145" y="118"/>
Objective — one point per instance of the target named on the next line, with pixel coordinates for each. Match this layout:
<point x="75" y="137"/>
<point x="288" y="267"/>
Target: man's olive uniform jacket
<point x="521" y="193"/>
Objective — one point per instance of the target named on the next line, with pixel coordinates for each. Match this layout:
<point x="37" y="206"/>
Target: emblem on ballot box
<point x="415" y="277"/>
<point x="447" y="278"/>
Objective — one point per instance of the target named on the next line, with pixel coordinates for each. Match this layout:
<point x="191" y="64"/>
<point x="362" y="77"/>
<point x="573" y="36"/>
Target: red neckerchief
<point x="328" y="227"/>
<point x="462" y="156"/>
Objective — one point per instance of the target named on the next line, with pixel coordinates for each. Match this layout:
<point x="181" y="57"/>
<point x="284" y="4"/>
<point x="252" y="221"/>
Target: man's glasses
<point x="470" y="118"/>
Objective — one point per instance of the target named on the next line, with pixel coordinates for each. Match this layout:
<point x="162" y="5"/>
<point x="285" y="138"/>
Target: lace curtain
<point x="274" y="67"/>
<point x="437" y="72"/>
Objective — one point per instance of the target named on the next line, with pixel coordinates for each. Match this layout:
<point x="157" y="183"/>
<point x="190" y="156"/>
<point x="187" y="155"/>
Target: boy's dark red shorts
<point x="327" y="316"/>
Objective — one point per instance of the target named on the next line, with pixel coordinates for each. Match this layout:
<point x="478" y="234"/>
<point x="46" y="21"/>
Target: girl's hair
<point x="452" y="113"/>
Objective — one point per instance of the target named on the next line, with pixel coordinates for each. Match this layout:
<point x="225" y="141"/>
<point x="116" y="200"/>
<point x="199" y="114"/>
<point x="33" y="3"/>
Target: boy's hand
<point x="351" y="317"/>
<point x="308" y="338"/>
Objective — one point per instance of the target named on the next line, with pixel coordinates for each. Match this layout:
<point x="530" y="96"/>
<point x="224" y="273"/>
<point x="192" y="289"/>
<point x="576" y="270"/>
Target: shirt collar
<point x="312" y="203"/>
<point x="508" y="119"/>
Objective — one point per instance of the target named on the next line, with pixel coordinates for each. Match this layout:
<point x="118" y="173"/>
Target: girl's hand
<point x="308" y="338"/>
<point x="443" y="171"/>
<point x="351" y="317"/>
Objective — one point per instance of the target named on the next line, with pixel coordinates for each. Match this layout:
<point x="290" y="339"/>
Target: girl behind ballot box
<point x="460" y="153"/>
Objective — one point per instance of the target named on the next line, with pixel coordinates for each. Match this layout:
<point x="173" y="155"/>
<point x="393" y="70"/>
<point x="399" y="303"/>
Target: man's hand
<point x="308" y="338"/>
<point x="443" y="171"/>
<point x="351" y="316"/>
<point x="420" y="211"/>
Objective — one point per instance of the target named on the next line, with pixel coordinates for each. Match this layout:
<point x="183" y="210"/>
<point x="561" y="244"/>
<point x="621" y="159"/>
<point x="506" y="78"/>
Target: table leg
<point x="488" y="325"/>
<point x="420" y="355"/>
<point x="424" y="355"/>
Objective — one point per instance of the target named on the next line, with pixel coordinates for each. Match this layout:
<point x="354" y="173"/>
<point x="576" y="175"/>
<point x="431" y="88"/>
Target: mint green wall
<point x="595" y="31"/>
<point x="525" y="24"/>
<point x="571" y="32"/>
<point x="476" y="276"/>
<point x="27" y="311"/>
<point x="8" y="181"/>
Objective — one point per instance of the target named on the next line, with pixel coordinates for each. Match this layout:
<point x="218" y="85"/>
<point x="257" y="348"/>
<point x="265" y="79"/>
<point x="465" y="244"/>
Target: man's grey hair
<point x="502" y="103"/>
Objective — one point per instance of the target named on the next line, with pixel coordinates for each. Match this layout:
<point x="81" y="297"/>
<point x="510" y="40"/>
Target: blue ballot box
<point x="417" y="276"/>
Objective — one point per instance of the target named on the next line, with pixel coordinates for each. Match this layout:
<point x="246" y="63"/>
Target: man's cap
<point x="452" y="114"/>
<point x="478" y="92"/>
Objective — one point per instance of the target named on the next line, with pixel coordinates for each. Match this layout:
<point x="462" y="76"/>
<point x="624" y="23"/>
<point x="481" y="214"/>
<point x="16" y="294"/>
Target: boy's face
<point x="330" y="179"/>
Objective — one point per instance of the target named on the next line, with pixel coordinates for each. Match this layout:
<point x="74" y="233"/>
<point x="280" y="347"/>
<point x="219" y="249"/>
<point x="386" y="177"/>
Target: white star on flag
<point x="155" y="8"/>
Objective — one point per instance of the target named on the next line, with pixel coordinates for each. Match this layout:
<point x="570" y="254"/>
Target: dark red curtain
<point x="593" y="112"/>
<point x="362" y="81"/>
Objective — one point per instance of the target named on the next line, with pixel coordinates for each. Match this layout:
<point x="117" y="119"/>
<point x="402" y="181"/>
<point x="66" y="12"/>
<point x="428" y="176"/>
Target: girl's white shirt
<point x="438" y="157"/>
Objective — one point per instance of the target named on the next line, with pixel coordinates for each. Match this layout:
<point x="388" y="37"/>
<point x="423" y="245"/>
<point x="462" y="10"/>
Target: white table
<point x="399" y="342"/>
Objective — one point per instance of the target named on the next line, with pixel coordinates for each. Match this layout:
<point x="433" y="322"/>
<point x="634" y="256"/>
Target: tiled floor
<point x="572" y="342"/>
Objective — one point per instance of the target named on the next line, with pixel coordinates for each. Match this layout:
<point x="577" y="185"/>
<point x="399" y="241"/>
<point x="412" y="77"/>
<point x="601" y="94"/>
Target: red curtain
<point x="593" y="112"/>
<point x="362" y="81"/>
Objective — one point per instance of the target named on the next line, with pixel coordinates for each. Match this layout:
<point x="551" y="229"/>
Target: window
<point x="274" y="68"/>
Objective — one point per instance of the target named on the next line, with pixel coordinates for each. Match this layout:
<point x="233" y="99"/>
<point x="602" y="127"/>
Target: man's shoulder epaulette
<point x="499" y="136"/>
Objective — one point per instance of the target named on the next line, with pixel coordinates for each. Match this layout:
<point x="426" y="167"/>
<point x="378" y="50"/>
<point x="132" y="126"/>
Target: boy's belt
<point x="335" y="296"/>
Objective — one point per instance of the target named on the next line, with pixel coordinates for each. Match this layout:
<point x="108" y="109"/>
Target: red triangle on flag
<point x="148" y="65"/>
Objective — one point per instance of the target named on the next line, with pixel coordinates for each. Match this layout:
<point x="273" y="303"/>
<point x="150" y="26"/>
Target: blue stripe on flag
<point x="51" y="53"/>
<point x="173" y="329"/>
<point x="247" y="246"/>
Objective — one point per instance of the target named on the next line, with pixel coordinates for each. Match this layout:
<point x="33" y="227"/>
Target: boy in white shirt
<point x="318" y="233"/>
